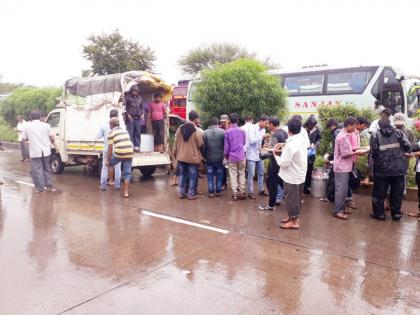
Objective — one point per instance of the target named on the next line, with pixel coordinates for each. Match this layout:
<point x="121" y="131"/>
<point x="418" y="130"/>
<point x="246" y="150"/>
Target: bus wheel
<point x="57" y="167"/>
<point x="147" y="171"/>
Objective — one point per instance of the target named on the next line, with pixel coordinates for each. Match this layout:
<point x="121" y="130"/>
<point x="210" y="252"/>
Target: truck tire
<point x="57" y="166"/>
<point x="147" y="171"/>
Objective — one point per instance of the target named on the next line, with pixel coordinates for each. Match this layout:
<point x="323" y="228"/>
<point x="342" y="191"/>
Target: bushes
<point x="242" y="86"/>
<point x="26" y="99"/>
<point x="7" y="133"/>
<point x="340" y="113"/>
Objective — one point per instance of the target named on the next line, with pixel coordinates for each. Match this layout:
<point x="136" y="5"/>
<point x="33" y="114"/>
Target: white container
<point x="147" y="143"/>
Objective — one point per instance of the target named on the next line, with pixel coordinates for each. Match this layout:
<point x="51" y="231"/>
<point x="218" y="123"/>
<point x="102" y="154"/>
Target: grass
<point x="6" y="132"/>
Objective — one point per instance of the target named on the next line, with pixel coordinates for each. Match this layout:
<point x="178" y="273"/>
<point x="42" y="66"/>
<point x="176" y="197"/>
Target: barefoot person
<point x="293" y="164"/>
<point x="120" y="150"/>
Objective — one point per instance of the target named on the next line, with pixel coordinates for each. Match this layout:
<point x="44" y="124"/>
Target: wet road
<point x="81" y="251"/>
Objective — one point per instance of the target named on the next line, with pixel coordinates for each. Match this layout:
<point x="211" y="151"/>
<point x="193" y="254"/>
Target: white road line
<point x="24" y="183"/>
<point x="182" y="221"/>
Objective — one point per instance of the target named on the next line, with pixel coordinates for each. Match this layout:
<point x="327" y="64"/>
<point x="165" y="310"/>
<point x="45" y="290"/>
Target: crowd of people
<point x="281" y="158"/>
<point x="241" y="153"/>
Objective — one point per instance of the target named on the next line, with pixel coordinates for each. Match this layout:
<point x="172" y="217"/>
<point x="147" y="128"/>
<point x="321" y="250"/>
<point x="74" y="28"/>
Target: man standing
<point x="416" y="154"/>
<point x="103" y="133"/>
<point x="293" y="164"/>
<point x="388" y="148"/>
<point x="254" y="138"/>
<point x="399" y="123"/>
<point x="235" y="140"/>
<point x="314" y="135"/>
<point x="120" y="150"/>
<point x="343" y="165"/>
<point x="24" y="149"/>
<point x="134" y="114"/>
<point x="214" y="138"/>
<point x="39" y="135"/>
<point x="158" y="116"/>
<point x="224" y="122"/>
<point x="273" y="180"/>
<point x="187" y="151"/>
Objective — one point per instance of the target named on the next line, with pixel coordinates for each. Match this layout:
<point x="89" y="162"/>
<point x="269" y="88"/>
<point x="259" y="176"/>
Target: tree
<point x="26" y="99"/>
<point x="6" y="87"/>
<point x="208" y="56"/>
<point x="242" y="86"/>
<point x="111" y="53"/>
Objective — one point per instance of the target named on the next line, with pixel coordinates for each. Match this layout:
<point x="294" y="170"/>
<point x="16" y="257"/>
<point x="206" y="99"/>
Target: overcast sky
<point x="41" y="40"/>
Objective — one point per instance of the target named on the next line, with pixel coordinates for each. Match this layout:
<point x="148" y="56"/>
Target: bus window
<point x="389" y="76"/>
<point x="348" y="82"/>
<point x="305" y="84"/>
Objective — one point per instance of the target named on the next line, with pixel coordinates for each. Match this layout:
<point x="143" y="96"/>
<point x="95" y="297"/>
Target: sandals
<point x="341" y="216"/>
<point x="347" y="211"/>
<point x="127" y="196"/>
<point x="286" y="220"/>
<point x="291" y="225"/>
<point x="414" y="214"/>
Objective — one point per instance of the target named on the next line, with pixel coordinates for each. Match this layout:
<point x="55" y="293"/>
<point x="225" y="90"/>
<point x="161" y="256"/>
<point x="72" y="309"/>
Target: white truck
<point x="84" y="107"/>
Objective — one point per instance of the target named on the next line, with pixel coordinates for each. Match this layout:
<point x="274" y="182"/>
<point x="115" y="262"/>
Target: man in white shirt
<point x="254" y="137"/>
<point x="23" y="144"/>
<point x="293" y="164"/>
<point x="385" y="113"/>
<point x="303" y="131"/>
<point x="39" y="135"/>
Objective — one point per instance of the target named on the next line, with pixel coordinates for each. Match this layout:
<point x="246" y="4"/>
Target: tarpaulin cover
<point x="147" y="82"/>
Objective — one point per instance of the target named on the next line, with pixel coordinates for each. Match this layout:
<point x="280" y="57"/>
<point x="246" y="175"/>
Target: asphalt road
<point x="81" y="251"/>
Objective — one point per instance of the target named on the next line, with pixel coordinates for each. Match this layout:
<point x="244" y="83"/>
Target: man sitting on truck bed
<point x="120" y="149"/>
<point x="133" y="115"/>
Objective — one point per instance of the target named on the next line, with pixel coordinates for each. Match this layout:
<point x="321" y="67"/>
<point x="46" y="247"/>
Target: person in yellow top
<point x="120" y="149"/>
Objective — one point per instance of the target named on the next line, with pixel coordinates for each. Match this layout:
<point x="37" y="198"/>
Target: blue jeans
<point x="188" y="177"/>
<point x="215" y="170"/>
<point x="134" y="130"/>
<point x="259" y="165"/>
<point x="104" y="173"/>
<point x="126" y="167"/>
<point x="280" y="194"/>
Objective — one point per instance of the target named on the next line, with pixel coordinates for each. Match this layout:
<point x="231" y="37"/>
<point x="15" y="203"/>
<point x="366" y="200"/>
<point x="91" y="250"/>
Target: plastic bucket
<point x="147" y="143"/>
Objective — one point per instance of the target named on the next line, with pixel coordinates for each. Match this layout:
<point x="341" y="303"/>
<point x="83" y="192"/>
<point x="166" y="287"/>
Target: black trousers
<point x="308" y="179"/>
<point x="273" y="181"/>
<point x="418" y="187"/>
<point x="380" y="188"/>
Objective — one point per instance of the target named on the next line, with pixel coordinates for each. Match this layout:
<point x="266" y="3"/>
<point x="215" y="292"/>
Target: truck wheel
<point x="147" y="171"/>
<point x="57" y="167"/>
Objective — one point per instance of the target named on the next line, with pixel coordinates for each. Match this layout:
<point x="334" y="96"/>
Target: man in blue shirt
<point x="103" y="133"/>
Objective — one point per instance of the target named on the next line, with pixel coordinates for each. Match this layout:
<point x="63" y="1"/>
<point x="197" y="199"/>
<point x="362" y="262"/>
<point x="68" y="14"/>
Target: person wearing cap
<point x="224" y="122"/>
<point x="399" y="123"/>
<point x="134" y="114"/>
<point x="416" y="153"/>
<point x="388" y="147"/>
<point x="120" y="150"/>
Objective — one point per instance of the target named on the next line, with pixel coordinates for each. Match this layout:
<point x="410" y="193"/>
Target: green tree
<point x="26" y="99"/>
<point x="6" y="87"/>
<point x="208" y="56"/>
<point x="111" y="53"/>
<point x="242" y="86"/>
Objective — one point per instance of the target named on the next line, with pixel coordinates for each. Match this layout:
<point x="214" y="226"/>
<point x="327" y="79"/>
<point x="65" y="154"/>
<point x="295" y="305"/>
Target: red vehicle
<point x="178" y="103"/>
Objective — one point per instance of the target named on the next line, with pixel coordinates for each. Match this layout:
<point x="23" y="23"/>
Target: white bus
<point x="308" y="88"/>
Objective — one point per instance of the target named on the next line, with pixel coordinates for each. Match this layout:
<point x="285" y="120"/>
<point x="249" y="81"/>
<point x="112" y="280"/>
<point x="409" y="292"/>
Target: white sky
<point x="41" y="40"/>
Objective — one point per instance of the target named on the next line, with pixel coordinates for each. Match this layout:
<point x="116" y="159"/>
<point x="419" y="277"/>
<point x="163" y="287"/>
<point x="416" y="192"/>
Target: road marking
<point x="24" y="183"/>
<point x="182" y="221"/>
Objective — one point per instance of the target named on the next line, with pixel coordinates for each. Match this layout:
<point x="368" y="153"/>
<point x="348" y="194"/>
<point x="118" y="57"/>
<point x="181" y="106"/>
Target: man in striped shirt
<point x="120" y="149"/>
